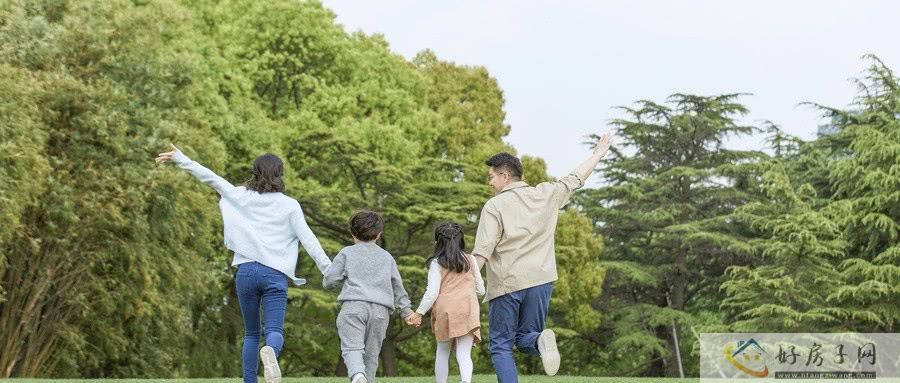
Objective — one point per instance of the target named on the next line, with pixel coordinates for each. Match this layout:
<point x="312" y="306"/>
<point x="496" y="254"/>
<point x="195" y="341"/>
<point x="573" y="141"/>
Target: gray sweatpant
<point x="362" y="327"/>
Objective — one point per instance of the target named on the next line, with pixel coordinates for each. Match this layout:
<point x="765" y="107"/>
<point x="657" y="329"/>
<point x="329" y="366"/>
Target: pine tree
<point x="826" y="251"/>
<point x="863" y="182"/>
<point x="670" y="188"/>
<point x="794" y="248"/>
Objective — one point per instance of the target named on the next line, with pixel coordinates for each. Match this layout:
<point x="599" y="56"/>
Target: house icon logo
<point x="747" y="356"/>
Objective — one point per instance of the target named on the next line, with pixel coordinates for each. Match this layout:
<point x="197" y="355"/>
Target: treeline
<point x="111" y="266"/>
<point x="800" y="238"/>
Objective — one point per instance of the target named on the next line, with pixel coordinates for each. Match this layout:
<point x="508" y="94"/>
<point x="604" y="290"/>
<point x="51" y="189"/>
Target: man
<point x="515" y="238"/>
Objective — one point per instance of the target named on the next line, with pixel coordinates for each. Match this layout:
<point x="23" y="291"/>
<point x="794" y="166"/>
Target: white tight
<point x="463" y="359"/>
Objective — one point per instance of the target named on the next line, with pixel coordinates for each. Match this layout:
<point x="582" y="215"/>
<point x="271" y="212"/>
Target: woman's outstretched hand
<point x="163" y="157"/>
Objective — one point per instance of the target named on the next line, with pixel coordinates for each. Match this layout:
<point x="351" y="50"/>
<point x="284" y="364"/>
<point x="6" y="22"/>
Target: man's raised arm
<point x="584" y="170"/>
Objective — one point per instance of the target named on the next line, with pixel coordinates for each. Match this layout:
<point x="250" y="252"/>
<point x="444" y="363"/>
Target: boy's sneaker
<point x="359" y="378"/>
<point x="270" y="365"/>
<point x="549" y="353"/>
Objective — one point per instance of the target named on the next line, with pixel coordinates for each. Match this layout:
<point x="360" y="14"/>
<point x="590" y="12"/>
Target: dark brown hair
<point x="267" y="172"/>
<point x="505" y="162"/>
<point x="449" y="243"/>
<point x="366" y="225"/>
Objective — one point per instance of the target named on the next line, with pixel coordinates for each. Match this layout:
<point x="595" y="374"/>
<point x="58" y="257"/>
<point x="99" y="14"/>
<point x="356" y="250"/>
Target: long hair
<point x="449" y="243"/>
<point x="266" y="177"/>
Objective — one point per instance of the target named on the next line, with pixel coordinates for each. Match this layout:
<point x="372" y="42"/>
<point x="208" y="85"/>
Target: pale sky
<point x="564" y="65"/>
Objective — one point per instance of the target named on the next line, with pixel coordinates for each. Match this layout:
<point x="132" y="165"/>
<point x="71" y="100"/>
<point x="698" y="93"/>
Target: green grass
<point x="425" y="379"/>
<point x="421" y="379"/>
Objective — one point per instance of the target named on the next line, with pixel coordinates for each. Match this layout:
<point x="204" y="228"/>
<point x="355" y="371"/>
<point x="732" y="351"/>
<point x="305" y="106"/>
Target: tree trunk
<point x="27" y="282"/>
<point x="340" y="369"/>
<point x="389" y="357"/>
<point x="660" y="365"/>
<point x="676" y="301"/>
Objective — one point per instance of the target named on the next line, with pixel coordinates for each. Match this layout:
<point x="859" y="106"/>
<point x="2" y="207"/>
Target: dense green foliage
<point x="112" y="266"/>
<point x="705" y="239"/>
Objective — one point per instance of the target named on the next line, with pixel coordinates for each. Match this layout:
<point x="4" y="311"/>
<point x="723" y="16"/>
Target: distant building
<point x="827" y="129"/>
<point x="834" y="126"/>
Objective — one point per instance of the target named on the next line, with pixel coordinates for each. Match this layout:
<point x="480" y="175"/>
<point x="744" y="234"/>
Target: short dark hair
<point x="506" y="162"/>
<point x="267" y="172"/>
<point x="366" y="225"/>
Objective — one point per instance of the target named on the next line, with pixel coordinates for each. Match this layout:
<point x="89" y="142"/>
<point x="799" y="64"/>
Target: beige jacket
<point x="516" y="234"/>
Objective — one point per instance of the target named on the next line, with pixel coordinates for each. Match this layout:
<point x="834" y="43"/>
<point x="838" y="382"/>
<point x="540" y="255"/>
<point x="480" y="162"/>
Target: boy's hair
<point x="505" y="162"/>
<point x="449" y="243"/>
<point x="366" y="225"/>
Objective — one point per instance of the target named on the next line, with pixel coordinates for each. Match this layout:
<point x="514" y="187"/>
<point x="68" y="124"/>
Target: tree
<point x="359" y="127"/>
<point x="663" y="215"/>
<point x="833" y="241"/>
<point x="828" y="246"/>
<point x="795" y="246"/>
<point x="575" y="314"/>
<point x="470" y="103"/>
<point x="94" y="246"/>
<point x="864" y="179"/>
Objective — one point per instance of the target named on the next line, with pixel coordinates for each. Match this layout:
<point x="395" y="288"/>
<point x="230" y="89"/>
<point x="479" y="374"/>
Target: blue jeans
<point x="516" y="319"/>
<point x="257" y="285"/>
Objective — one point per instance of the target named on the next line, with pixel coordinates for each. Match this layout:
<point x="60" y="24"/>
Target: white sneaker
<point x="549" y="353"/>
<point x="270" y="365"/>
<point x="359" y="378"/>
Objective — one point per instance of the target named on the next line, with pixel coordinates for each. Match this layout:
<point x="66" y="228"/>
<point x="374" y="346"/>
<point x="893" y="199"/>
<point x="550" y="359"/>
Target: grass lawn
<point x="423" y="379"/>
<point x="426" y="379"/>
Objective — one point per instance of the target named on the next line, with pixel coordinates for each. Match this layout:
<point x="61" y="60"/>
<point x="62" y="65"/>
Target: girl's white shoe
<point x="359" y="378"/>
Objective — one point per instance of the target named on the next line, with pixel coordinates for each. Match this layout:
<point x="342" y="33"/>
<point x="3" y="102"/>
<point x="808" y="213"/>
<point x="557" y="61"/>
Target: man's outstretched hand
<point x="602" y="147"/>
<point x="584" y="170"/>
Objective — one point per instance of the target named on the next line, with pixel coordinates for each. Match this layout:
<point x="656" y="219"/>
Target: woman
<point x="262" y="227"/>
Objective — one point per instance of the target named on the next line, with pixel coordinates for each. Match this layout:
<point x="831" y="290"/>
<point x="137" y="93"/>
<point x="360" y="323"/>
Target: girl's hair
<point x="267" y="172"/>
<point x="449" y="243"/>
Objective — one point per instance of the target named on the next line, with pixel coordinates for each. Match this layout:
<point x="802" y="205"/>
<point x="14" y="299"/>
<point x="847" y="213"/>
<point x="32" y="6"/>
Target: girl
<point x="262" y="228"/>
<point x="453" y="281"/>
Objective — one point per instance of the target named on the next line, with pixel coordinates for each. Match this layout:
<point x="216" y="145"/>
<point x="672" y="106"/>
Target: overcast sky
<point x="564" y="65"/>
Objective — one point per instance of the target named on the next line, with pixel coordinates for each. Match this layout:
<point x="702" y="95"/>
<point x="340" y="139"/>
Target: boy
<point x="370" y="289"/>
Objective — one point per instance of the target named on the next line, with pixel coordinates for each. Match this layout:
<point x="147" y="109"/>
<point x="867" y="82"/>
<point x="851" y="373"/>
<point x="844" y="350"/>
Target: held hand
<point x="414" y="319"/>
<point x="163" y="157"/>
<point x="603" y="144"/>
